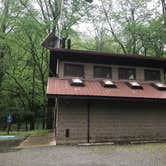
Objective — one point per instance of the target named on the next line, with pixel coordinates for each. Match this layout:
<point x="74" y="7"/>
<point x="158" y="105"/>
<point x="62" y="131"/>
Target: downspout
<point x="165" y="75"/>
<point x="56" y="118"/>
<point x="88" y="122"/>
<point x="57" y="68"/>
<point x="55" y="121"/>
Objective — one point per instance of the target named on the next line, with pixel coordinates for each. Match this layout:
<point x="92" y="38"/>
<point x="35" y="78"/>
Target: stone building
<point x="102" y="97"/>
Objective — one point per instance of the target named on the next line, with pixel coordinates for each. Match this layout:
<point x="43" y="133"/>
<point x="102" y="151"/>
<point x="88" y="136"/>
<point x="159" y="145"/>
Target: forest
<point x="123" y="26"/>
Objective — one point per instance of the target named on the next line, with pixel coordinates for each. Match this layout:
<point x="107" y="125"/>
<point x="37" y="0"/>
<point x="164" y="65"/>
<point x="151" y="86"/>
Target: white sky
<point x="87" y="28"/>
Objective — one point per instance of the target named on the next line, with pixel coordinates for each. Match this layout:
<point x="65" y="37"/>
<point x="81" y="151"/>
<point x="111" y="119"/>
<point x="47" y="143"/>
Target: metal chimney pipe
<point x="69" y="44"/>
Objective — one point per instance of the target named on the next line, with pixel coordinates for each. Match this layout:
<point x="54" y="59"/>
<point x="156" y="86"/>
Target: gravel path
<point x="131" y="155"/>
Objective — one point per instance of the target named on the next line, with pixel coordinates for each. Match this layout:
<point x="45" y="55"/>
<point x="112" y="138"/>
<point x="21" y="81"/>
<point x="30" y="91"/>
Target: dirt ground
<point x="112" y="155"/>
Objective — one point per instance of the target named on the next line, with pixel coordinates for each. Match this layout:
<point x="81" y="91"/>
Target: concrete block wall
<point x="127" y="121"/>
<point x="110" y="121"/>
<point x="72" y="115"/>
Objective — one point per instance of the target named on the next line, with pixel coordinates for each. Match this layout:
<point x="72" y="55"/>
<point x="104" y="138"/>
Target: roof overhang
<point x="106" y="98"/>
<point x="108" y="58"/>
<point x="93" y="90"/>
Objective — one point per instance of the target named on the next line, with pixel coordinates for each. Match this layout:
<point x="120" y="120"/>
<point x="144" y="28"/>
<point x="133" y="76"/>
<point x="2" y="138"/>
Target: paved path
<point x="37" y="140"/>
<point x="131" y="155"/>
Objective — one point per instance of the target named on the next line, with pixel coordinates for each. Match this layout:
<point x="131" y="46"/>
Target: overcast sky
<point x="87" y="28"/>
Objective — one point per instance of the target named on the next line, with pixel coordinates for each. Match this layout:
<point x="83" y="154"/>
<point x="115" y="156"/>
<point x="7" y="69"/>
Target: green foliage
<point x="121" y="27"/>
<point x="23" y="61"/>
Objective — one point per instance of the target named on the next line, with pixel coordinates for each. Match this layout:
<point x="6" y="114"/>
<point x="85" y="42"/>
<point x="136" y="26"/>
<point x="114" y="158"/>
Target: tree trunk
<point x="18" y="126"/>
<point x="32" y="123"/>
<point x="49" y="119"/>
<point x="3" y="27"/>
<point x="164" y="10"/>
<point x="26" y="125"/>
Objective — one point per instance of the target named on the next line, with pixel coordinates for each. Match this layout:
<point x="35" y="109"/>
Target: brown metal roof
<point x="108" y="58"/>
<point x="95" y="53"/>
<point x="62" y="87"/>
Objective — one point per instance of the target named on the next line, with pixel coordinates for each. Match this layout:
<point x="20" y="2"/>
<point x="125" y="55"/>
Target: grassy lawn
<point x="25" y="133"/>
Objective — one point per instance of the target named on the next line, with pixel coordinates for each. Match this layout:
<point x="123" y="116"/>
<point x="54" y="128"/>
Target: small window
<point x="73" y="70"/>
<point x="127" y="74"/>
<point x="102" y="72"/>
<point x="67" y="133"/>
<point x="152" y="75"/>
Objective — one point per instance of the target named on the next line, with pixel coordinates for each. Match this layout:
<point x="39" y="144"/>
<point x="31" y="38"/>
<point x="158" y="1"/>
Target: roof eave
<point x="87" y="52"/>
<point x="103" y="97"/>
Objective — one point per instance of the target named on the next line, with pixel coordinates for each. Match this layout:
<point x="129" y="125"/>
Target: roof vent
<point x="76" y="82"/>
<point x="159" y="85"/>
<point x="108" y="83"/>
<point x="134" y="85"/>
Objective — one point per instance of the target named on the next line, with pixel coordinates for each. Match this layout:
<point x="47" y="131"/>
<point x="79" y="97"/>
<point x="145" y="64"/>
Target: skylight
<point x="159" y="85"/>
<point x="108" y="83"/>
<point x="76" y="82"/>
<point x="134" y="85"/>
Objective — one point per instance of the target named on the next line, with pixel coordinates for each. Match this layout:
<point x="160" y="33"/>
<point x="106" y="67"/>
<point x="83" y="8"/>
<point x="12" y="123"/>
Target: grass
<point x="25" y="133"/>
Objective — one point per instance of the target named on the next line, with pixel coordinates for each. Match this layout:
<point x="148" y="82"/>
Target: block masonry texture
<point x="110" y="121"/>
